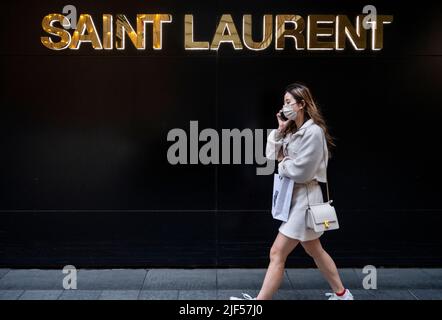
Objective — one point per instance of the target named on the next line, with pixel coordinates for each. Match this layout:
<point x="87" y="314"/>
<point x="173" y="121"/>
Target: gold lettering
<point x="107" y="31"/>
<point x="157" y="20"/>
<point x="267" y="27"/>
<point x="85" y="23"/>
<point x="138" y="38"/>
<point x="345" y="29"/>
<point x="124" y="27"/>
<point x="378" y="32"/>
<point x="226" y="22"/>
<point x="323" y="32"/>
<point x="47" y="25"/>
<point x="189" y="44"/>
<point x="296" y="33"/>
<point x="314" y="31"/>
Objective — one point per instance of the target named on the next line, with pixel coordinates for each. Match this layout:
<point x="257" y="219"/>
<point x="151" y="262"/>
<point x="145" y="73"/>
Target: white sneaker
<point x="245" y="297"/>
<point x="346" y="296"/>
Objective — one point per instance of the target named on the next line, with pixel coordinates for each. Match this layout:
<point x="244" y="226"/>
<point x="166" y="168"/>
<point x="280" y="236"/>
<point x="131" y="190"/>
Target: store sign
<point x="313" y="32"/>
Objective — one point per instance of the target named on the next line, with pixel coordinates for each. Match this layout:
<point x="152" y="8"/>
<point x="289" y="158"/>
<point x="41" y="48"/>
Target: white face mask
<point x="288" y="111"/>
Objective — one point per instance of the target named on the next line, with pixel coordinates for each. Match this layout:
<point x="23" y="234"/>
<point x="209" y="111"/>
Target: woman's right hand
<point x="281" y="123"/>
<point x="280" y="156"/>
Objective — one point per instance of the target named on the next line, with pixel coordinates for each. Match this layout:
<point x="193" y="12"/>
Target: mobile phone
<point x="283" y="116"/>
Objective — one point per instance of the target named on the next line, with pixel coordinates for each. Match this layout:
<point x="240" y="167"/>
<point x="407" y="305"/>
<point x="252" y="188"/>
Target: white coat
<point x="305" y="158"/>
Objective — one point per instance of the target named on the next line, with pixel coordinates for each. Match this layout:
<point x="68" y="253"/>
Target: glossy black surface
<point x="84" y="173"/>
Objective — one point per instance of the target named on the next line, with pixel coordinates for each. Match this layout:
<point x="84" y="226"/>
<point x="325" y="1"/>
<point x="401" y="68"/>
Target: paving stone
<point x="158" y="295"/>
<point x="313" y="279"/>
<point x="392" y="294"/>
<point x="80" y="295"/>
<point x="180" y="279"/>
<point x="427" y="294"/>
<point x="201" y="284"/>
<point x="245" y="279"/>
<point x="41" y="295"/>
<point x="111" y="279"/>
<point x="226" y="294"/>
<point x="197" y="295"/>
<point x="393" y="278"/>
<point x="32" y="279"/>
<point x="119" y="295"/>
<point x="434" y="274"/>
<point x="10" y="294"/>
<point x="3" y="272"/>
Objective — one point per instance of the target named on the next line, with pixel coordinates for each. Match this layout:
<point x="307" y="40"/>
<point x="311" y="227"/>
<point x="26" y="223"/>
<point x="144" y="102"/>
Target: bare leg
<point x="281" y="248"/>
<point x="325" y="264"/>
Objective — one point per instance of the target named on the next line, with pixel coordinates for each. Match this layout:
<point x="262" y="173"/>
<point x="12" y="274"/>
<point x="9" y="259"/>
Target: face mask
<point x="288" y="111"/>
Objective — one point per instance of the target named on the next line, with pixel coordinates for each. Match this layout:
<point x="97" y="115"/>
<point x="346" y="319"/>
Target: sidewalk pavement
<point x="212" y="284"/>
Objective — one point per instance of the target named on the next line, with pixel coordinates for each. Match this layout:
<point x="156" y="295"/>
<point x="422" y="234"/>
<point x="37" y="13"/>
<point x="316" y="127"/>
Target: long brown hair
<point x="300" y="92"/>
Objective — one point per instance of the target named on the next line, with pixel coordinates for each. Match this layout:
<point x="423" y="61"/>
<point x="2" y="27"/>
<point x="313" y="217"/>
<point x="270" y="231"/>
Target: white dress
<point x="305" y="157"/>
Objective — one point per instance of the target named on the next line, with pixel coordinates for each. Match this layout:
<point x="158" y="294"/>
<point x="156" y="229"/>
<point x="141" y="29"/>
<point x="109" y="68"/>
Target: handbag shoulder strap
<point x="326" y="179"/>
<point x="325" y="164"/>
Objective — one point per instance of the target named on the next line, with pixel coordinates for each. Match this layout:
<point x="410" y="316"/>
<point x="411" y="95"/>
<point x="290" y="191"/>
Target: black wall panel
<point x="84" y="173"/>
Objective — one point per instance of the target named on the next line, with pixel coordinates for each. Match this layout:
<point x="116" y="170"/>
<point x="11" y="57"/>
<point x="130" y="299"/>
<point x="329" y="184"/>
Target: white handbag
<point x="322" y="216"/>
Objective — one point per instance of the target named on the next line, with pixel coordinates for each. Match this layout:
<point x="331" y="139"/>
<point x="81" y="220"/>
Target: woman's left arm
<point x="309" y="156"/>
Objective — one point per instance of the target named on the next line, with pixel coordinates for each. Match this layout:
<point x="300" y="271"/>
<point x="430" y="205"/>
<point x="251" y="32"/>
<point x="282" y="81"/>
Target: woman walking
<point x="298" y="146"/>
